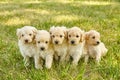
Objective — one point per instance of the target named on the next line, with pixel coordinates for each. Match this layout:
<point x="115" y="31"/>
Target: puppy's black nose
<point x="98" y="42"/>
<point x="56" y="42"/>
<point x="26" y="40"/>
<point x="72" y="42"/>
<point x="42" y="48"/>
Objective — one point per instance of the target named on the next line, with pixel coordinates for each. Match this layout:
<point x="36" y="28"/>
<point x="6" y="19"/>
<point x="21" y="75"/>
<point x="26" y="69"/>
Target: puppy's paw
<point x="27" y="63"/>
<point x="38" y="67"/>
<point x="56" y="57"/>
<point x="74" y="63"/>
<point x="48" y="66"/>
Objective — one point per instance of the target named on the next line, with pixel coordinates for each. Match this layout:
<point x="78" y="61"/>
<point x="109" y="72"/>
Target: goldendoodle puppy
<point x="26" y="42"/>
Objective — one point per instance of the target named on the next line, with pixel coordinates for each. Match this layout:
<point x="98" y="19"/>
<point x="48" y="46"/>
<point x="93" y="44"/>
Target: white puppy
<point x="59" y="40"/>
<point x="26" y="42"/>
<point x="44" y="49"/>
<point x="93" y="46"/>
<point x="76" y="43"/>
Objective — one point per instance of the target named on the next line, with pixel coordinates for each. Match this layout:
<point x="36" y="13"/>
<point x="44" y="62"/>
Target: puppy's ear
<point x="65" y="31"/>
<point x="50" y="39"/>
<point x="34" y="30"/>
<point x="51" y="29"/>
<point x="82" y="35"/>
<point x="86" y="35"/>
<point x="34" y="33"/>
<point x="18" y="33"/>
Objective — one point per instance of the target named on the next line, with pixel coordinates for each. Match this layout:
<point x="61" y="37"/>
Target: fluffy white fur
<point x="26" y="42"/>
<point x="93" y="46"/>
<point x="44" y="50"/>
<point x="59" y="40"/>
<point x="76" y="43"/>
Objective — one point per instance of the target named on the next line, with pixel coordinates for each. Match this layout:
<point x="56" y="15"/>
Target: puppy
<point x="26" y="42"/>
<point x="59" y="40"/>
<point x="93" y="46"/>
<point x="44" y="49"/>
<point x="76" y="43"/>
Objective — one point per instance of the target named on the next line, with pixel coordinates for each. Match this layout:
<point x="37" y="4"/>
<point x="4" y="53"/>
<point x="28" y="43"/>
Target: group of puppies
<point x="60" y="44"/>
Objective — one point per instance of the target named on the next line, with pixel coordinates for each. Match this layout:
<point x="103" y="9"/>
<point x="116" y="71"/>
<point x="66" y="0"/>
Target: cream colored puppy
<point x="44" y="49"/>
<point x="76" y="43"/>
<point x="94" y="47"/>
<point x="59" y="40"/>
<point x="26" y="42"/>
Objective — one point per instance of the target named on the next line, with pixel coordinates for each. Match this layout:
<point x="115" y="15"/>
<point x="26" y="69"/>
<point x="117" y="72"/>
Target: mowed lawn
<point x="103" y="16"/>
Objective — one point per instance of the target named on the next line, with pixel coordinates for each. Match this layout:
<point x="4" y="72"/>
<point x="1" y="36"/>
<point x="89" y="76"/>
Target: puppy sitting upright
<point x="93" y="46"/>
<point x="76" y="42"/>
<point x="44" y="49"/>
<point x="59" y="40"/>
<point x="26" y="42"/>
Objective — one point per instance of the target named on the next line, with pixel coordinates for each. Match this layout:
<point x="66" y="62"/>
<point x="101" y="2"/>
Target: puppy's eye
<point x="30" y="34"/>
<point x="69" y="35"/>
<point x="53" y="36"/>
<point x="38" y="41"/>
<point x="93" y="37"/>
<point x="77" y="36"/>
<point x="46" y="42"/>
<point x="61" y="36"/>
<point x="22" y="35"/>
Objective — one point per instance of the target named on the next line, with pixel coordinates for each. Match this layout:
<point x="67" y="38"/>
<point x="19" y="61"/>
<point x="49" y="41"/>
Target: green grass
<point x="102" y="16"/>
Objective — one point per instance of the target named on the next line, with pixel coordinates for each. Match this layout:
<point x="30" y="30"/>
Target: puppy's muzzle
<point x="72" y="42"/>
<point x="26" y="40"/>
<point x="56" y="42"/>
<point x="42" y="48"/>
<point x="98" y="42"/>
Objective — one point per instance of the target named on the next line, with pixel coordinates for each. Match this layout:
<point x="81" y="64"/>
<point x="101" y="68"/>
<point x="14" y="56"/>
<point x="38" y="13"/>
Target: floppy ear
<point x="50" y="39"/>
<point x="82" y="36"/>
<point x="34" y="33"/>
<point x="18" y="33"/>
<point x="86" y="35"/>
<point x="65" y="31"/>
<point x="34" y="30"/>
<point x="51" y="29"/>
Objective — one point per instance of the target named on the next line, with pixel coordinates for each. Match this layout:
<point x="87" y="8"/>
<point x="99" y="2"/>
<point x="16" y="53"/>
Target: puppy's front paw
<point x="74" y="63"/>
<point x="27" y="63"/>
<point x="38" y="67"/>
<point x="48" y="66"/>
<point x="56" y="58"/>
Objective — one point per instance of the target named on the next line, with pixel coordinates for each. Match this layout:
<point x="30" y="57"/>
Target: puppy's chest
<point x="43" y="54"/>
<point x="28" y="50"/>
<point x="93" y="51"/>
<point x="74" y="49"/>
<point x="60" y="49"/>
